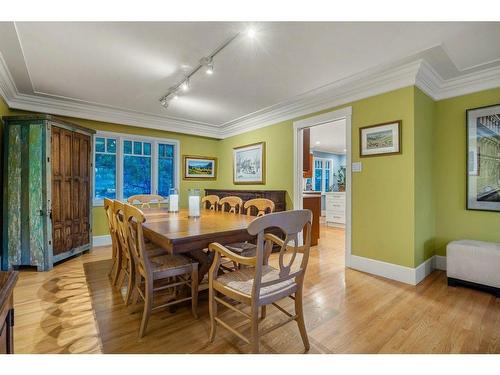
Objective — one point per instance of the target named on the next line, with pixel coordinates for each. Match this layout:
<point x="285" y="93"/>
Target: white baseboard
<point x="407" y="275"/>
<point x="440" y="262"/>
<point x="101" y="240"/>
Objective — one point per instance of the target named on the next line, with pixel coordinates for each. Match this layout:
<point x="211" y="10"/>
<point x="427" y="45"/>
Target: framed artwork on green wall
<point x="381" y="139"/>
<point x="483" y="158"/>
<point x="199" y="167"/>
<point x="249" y="164"/>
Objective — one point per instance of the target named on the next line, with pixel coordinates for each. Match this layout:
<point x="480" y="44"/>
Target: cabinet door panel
<point x="61" y="154"/>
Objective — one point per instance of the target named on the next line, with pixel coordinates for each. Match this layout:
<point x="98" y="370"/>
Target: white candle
<point x="174" y="203"/>
<point x="194" y="206"/>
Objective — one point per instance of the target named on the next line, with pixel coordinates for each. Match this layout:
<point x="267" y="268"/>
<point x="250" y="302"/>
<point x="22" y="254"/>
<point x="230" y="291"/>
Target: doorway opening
<point x="322" y="177"/>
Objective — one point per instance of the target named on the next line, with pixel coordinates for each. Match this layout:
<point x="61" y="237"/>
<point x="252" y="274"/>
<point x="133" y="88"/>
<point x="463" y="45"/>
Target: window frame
<point x="155" y="142"/>
<point x="323" y="173"/>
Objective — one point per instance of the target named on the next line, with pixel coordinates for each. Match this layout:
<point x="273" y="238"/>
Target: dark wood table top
<point x="179" y="233"/>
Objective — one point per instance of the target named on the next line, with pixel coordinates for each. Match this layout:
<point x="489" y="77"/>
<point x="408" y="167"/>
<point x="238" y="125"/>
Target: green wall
<point x="453" y="221"/>
<point x="279" y="158"/>
<point x="382" y="194"/>
<point x="425" y="210"/>
<point x="405" y="207"/>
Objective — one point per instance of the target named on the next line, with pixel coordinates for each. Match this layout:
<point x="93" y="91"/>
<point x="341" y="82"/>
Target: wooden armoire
<point x="47" y="190"/>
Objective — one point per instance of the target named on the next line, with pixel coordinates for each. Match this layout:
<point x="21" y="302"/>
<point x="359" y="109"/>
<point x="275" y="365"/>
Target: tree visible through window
<point x="136" y="168"/>
<point x="105" y="168"/>
<point x="125" y="167"/>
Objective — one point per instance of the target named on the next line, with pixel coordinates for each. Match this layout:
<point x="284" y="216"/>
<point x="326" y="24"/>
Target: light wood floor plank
<point x="73" y="309"/>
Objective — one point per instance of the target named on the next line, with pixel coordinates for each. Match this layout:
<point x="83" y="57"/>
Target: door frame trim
<point x="340" y="114"/>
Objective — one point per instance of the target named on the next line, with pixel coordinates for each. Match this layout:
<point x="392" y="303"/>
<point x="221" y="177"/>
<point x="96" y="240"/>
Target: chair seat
<point x="244" y="249"/>
<point x="169" y="261"/>
<point x="242" y="281"/>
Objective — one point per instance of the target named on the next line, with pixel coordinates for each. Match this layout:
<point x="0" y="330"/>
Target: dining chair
<point x="234" y="204"/>
<point x="172" y="270"/>
<point x="262" y="205"/>
<point x="145" y="200"/>
<point x="115" y="251"/>
<point x="260" y="284"/>
<point x="210" y="202"/>
<point x="125" y="260"/>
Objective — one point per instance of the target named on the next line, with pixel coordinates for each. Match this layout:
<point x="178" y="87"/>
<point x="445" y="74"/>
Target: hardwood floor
<point x="73" y="309"/>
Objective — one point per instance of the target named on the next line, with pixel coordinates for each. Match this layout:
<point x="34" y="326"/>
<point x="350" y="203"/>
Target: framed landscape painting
<point x="199" y="167"/>
<point x="483" y="158"/>
<point x="380" y="139"/>
<point x="249" y="164"/>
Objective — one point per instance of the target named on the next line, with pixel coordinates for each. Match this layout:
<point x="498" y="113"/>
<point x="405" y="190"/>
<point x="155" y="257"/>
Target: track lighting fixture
<point x="205" y="63"/>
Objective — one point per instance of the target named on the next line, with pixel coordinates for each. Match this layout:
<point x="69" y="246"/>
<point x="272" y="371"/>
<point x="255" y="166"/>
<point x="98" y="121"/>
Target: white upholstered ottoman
<point x="474" y="263"/>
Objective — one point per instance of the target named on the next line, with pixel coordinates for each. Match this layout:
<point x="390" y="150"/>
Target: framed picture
<point x="483" y="162"/>
<point x="199" y="167"/>
<point x="249" y="164"/>
<point x="380" y="139"/>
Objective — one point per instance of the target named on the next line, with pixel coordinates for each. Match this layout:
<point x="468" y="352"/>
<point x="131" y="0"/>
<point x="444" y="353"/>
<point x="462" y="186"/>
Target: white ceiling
<point x="329" y="137"/>
<point x="129" y="66"/>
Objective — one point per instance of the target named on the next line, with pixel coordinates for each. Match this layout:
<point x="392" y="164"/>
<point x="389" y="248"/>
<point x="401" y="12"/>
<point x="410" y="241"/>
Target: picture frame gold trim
<point x="400" y="139"/>
<point x="199" y="157"/>
<point x="264" y="162"/>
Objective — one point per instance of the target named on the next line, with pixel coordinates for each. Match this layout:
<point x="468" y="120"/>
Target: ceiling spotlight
<point x="176" y="97"/>
<point x="185" y="85"/>
<point x="251" y="33"/>
<point x="318" y="142"/>
<point x="345" y="149"/>
<point x="210" y="69"/>
<point x="164" y="102"/>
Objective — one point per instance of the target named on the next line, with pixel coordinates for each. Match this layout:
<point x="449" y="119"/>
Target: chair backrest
<point x="261" y="204"/>
<point x="109" y="206"/>
<point x="235" y="204"/>
<point x="292" y="223"/>
<point x="120" y="225"/>
<point x="134" y="218"/>
<point x="210" y="201"/>
<point x="145" y="200"/>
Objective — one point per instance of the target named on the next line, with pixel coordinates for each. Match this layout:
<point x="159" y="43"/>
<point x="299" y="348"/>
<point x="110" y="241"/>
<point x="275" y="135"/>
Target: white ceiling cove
<point x="329" y="137"/>
<point x="117" y="71"/>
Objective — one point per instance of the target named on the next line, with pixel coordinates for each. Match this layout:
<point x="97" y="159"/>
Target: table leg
<point x="204" y="260"/>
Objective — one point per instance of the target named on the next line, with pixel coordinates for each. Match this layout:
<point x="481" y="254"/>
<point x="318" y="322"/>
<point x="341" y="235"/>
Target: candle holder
<point x="194" y="202"/>
<point x="173" y="200"/>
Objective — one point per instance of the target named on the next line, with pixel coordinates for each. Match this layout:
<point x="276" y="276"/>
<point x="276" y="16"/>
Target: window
<point x="136" y="168"/>
<point x="105" y="168"/>
<point x="322" y="178"/>
<point x="126" y="166"/>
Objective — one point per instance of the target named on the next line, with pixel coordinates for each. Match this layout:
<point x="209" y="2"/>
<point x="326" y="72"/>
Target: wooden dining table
<point x="180" y="234"/>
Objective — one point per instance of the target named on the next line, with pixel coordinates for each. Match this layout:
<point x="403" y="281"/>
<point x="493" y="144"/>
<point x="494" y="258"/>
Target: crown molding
<point x="91" y="111"/>
<point x="356" y="87"/>
<point x="368" y="83"/>
<point x="429" y="81"/>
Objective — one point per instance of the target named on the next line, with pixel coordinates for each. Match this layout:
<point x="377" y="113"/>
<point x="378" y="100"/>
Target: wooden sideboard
<point x="7" y="282"/>
<point x="277" y="196"/>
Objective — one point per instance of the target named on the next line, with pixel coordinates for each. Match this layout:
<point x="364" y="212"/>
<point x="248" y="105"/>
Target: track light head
<point x="185" y="85"/>
<point x="210" y="69"/>
<point x="251" y="33"/>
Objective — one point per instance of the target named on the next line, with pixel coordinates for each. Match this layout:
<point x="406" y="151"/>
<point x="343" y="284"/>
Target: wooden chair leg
<point x="131" y="283"/>
<point x="255" y="330"/>
<point x="300" y="318"/>
<point x="194" y="290"/>
<point x="263" y="311"/>
<point x="148" y="306"/>
<point x="118" y="268"/>
<point x="212" y="307"/>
